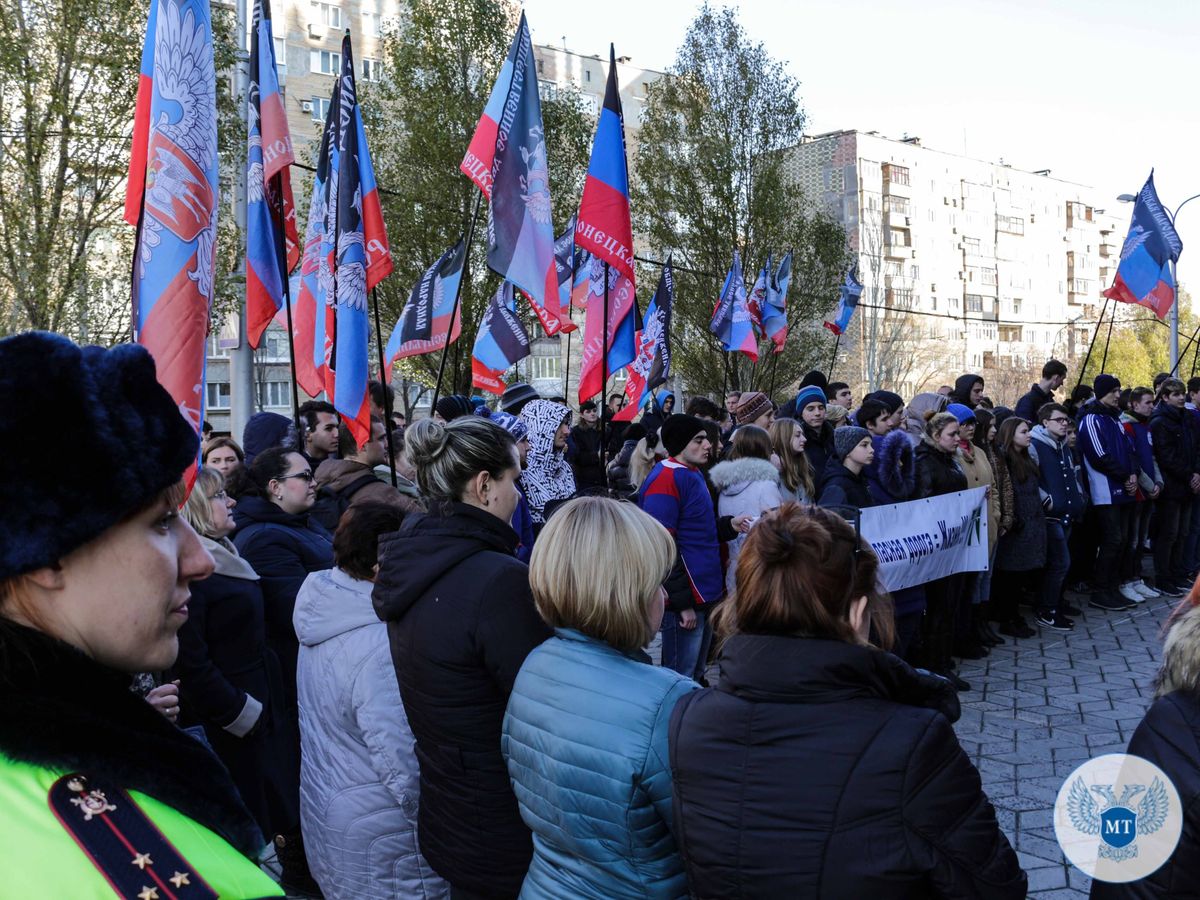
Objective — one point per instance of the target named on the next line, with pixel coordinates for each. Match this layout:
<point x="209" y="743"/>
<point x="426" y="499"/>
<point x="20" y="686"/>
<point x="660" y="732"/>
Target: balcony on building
<point x="1078" y="214"/>
<point x="896" y="179"/>
<point x="898" y="243"/>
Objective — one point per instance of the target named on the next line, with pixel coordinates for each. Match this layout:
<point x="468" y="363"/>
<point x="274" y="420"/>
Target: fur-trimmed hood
<point x="64" y="711"/>
<point x="892" y="476"/>
<point x="734" y="475"/>
<point x="1181" y="656"/>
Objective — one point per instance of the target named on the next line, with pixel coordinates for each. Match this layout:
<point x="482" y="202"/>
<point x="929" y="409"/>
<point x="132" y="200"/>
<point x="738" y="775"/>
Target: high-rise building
<point x="966" y="265"/>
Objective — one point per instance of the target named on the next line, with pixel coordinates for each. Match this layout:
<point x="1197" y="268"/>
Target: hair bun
<point x="424" y="441"/>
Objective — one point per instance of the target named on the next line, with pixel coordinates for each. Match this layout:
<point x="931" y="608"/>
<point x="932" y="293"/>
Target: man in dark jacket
<point x="968" y="390"/>
<point x="1173" y="434"/>
<point x="1064" y="504"/>
<point x="1111" y="468"/>
<point x="1054" y="373"/>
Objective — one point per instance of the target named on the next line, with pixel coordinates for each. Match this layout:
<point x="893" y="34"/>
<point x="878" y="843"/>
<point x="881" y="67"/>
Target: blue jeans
<point x="1058" y="563"/>
<point x="682" y="647"/>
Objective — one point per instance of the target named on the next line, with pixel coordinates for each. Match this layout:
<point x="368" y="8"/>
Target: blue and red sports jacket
<point x="676" y="494"/>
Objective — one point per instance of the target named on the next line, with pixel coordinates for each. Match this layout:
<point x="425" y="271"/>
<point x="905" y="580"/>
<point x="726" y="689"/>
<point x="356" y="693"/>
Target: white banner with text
<point x="923" y="540"/>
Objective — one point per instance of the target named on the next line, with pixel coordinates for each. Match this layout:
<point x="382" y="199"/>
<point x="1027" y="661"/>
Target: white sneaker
<point x="1145" y="590"/>
<point x="1130" y="593"/>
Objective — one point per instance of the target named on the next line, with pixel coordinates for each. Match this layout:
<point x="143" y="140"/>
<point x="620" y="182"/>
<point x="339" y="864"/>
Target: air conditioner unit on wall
<point x="316" y="32"/>
<point x="306" y="106"/>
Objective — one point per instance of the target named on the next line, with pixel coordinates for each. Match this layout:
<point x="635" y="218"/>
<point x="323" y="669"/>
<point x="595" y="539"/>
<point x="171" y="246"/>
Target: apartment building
<point x="967" y="265"/>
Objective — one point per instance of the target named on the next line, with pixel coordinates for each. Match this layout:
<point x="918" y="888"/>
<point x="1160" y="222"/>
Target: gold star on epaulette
<point x="142" y="860"/>
<point x="179" y="879"/>
<point x="148" y="893"/>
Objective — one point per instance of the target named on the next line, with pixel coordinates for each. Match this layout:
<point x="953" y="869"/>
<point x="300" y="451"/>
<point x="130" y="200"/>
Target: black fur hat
<point x="89" y="437"/>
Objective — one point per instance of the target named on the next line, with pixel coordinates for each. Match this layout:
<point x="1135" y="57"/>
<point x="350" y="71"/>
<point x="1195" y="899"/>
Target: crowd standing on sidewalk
<point x="441" y="689"/>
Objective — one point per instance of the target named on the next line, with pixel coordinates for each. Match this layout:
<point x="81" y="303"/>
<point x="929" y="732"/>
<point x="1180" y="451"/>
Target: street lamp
<point x="1174" y="346"/>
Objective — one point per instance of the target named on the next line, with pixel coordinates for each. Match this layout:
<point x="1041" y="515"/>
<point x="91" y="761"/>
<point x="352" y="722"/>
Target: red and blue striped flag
<point x="604" y="231"/>
<point x="847" y="302"/>
<point x="774" y="311"/>
<point x="507" y="160"/>
<point x="171" y="197"/>
<point x="360" y="253"/>
<point x="1144" y="273"/>
<point x="731" y="316"/>
<point x="272" y="245"/>
<point x="501" y="342"/>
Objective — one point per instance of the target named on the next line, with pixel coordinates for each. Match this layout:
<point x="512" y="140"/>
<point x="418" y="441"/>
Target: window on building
<point x="1016" y="306"/>
<point x="1010" y="224"/>
<point x="587" y="75"/>
<point x="324" y="62"/>
<point x="1010" y="333"/>
<point x="372" y="69"/>
<point x="215" y="348"/>
<point x="216" y="395"/>
<point x="274" y="395"/>
<point x="894" y="204"/>
<point x="320" y="109"/>
<point x="274" y="348"/>
<point x="974" y="302"/>
<point x="893" y="268"/>
<point x="1080" y="285"/>
<point x="547" y="91"/>
<point x="987" y="276"/>
<point x="373" y="25"/>
<point x="545" y="367"/>
<point x="971" y="245"/>
<point x="900" y="298"/>
<point x="327" y="14"/>
<point x="895" y="174"/>
<point x="897" y="237"/>
<point x="933" y="303"/>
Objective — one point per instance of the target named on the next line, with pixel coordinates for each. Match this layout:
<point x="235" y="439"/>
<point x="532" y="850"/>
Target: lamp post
<point x="1174" y="345"/>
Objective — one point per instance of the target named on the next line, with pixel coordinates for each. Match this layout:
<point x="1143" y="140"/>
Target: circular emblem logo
<point x="1118" y="817"/>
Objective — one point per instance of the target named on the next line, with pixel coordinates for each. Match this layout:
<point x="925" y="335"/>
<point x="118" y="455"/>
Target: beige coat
<point x="975" y="465"/>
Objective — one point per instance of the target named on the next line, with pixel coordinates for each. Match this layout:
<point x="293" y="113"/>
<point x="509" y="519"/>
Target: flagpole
<point x="383" y="381"/>
<point x="567" y="370"/>
<point x="833" y="359"/>
<point x="604" y="376"/>
<point x="1091" y="344"/>
<point x="774" y="369"/>
<point x="437" y="388"/>
<point x="1104" y="358"/>
<point x="724" y="375"/>
<point x="281" y="254"/>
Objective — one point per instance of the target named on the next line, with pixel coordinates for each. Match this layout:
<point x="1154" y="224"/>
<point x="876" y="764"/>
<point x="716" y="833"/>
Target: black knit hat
<point x="515" y="397"/>
<point x="454" y="406"/>
<point x="677" y="432"/>
<point x="89" y="437"/>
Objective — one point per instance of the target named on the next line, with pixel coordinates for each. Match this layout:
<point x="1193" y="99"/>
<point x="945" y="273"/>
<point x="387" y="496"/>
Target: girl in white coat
<point x="749" y="484"/>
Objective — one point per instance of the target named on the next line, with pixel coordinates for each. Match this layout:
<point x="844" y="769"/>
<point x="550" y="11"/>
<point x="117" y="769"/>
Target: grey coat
<point x="359" y="778"/>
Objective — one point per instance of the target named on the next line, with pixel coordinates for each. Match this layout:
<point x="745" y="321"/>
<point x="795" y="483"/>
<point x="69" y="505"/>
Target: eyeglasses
<point x="219" y="496"/>
<point x="1058" y="419"/>
<point x="306" y="476"/>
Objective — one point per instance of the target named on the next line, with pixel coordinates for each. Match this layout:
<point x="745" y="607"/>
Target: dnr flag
<point x="731" y="316"/>
<point x="424" y="323"/>
<point x="1144" y="273"/>
<point x="774" y="313"/>
<point x="501" y="342"/>
<point x="847" y="302"/>
<point x="652" y="365"/>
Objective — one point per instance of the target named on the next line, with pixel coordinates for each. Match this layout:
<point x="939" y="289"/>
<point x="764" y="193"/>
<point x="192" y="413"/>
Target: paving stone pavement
<point x="1041" y="706"/>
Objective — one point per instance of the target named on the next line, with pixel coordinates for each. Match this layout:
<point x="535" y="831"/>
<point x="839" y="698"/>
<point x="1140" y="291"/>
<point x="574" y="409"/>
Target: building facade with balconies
<point x="966" y="265"/>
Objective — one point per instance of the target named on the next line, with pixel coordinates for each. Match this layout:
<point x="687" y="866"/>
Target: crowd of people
<point x="418" y="667"/>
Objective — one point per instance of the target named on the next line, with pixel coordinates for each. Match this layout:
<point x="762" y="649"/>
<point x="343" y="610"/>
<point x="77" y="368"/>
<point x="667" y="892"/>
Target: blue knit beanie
<point x="809" y="394"/>
<point x="123" y="442"/>
<point x="961" y="412"/>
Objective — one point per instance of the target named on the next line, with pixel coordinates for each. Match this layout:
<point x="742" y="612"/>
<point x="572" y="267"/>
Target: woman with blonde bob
<point x="816" y="745"/>
<point x="585" y="735"/>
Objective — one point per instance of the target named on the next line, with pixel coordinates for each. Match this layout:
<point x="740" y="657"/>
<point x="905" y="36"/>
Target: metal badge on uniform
<point x="134" y="857"/>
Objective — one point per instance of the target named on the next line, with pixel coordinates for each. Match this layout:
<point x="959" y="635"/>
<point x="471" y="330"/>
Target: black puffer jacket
<point x="937" y="472"/>
<point x="1174" y="439"/>
<point x="838" y="486"/>
<point x="818" y="768"/>
<point x="461" y="621"/>
<point x="818" y="445"/>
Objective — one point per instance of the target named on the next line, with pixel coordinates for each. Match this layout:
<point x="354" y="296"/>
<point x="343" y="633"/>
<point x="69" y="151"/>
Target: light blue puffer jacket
<point x="359" y="777"/>
<point x="585" y="739"/>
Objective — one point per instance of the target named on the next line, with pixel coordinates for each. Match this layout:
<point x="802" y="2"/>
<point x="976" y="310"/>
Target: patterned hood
<point x="547" y="474"/>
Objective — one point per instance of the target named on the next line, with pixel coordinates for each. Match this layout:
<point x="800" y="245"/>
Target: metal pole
<point x="567" y="368"/>
<point x="241" y="358"/>
<point x="774" y="369"/>
<point x="1111" y="322"/>
<point x="1174" y="352"/>
<point x="1092" y="343"/>
<point x="836" y="343"/>
<point x="457" y="297"/>
<point x="383" y="381"/>
<point x="604" y="376"/>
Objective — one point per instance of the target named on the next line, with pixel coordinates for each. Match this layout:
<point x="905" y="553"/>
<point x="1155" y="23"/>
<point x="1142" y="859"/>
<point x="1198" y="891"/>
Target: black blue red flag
<point x="424" y="324"/>
<point x="501" y="342"/>
<point x="731" y="316"/>
<point x="652" y="365"/>
<point x="1144" y="274"/>
<point x="272" y="245"/>
<point x="507" y="160"/>
<point x="360" y="253"/>
<point x="774" y="310"/>
<point x="847" y="302"/>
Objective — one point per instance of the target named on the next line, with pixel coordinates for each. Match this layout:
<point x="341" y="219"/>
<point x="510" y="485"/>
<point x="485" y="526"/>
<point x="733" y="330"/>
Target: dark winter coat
<point x="1174" y="439"/>
<point x="962" y="389"/>
<point x="1028" y="405"/>
<point x="838" y="486"/>
<point x="1108" y="454"/>
<point x="824" y="769"/>
<point x="618" y="470"/>
<point x="1057" y="478"/>
<point x="1023" y="547"/>
<point x="282" y="548"/>
<point x="892" y="475"/>
<point x="818" y="445"/>
<point x="937" y="472"/>
<point x="461" y="621"/>
<point x="230" y="683"/>
<point x="589" y="468"/>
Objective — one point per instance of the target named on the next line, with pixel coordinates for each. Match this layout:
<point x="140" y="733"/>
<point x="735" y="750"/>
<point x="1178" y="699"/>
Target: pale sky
<point x="1098" y="91"/>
